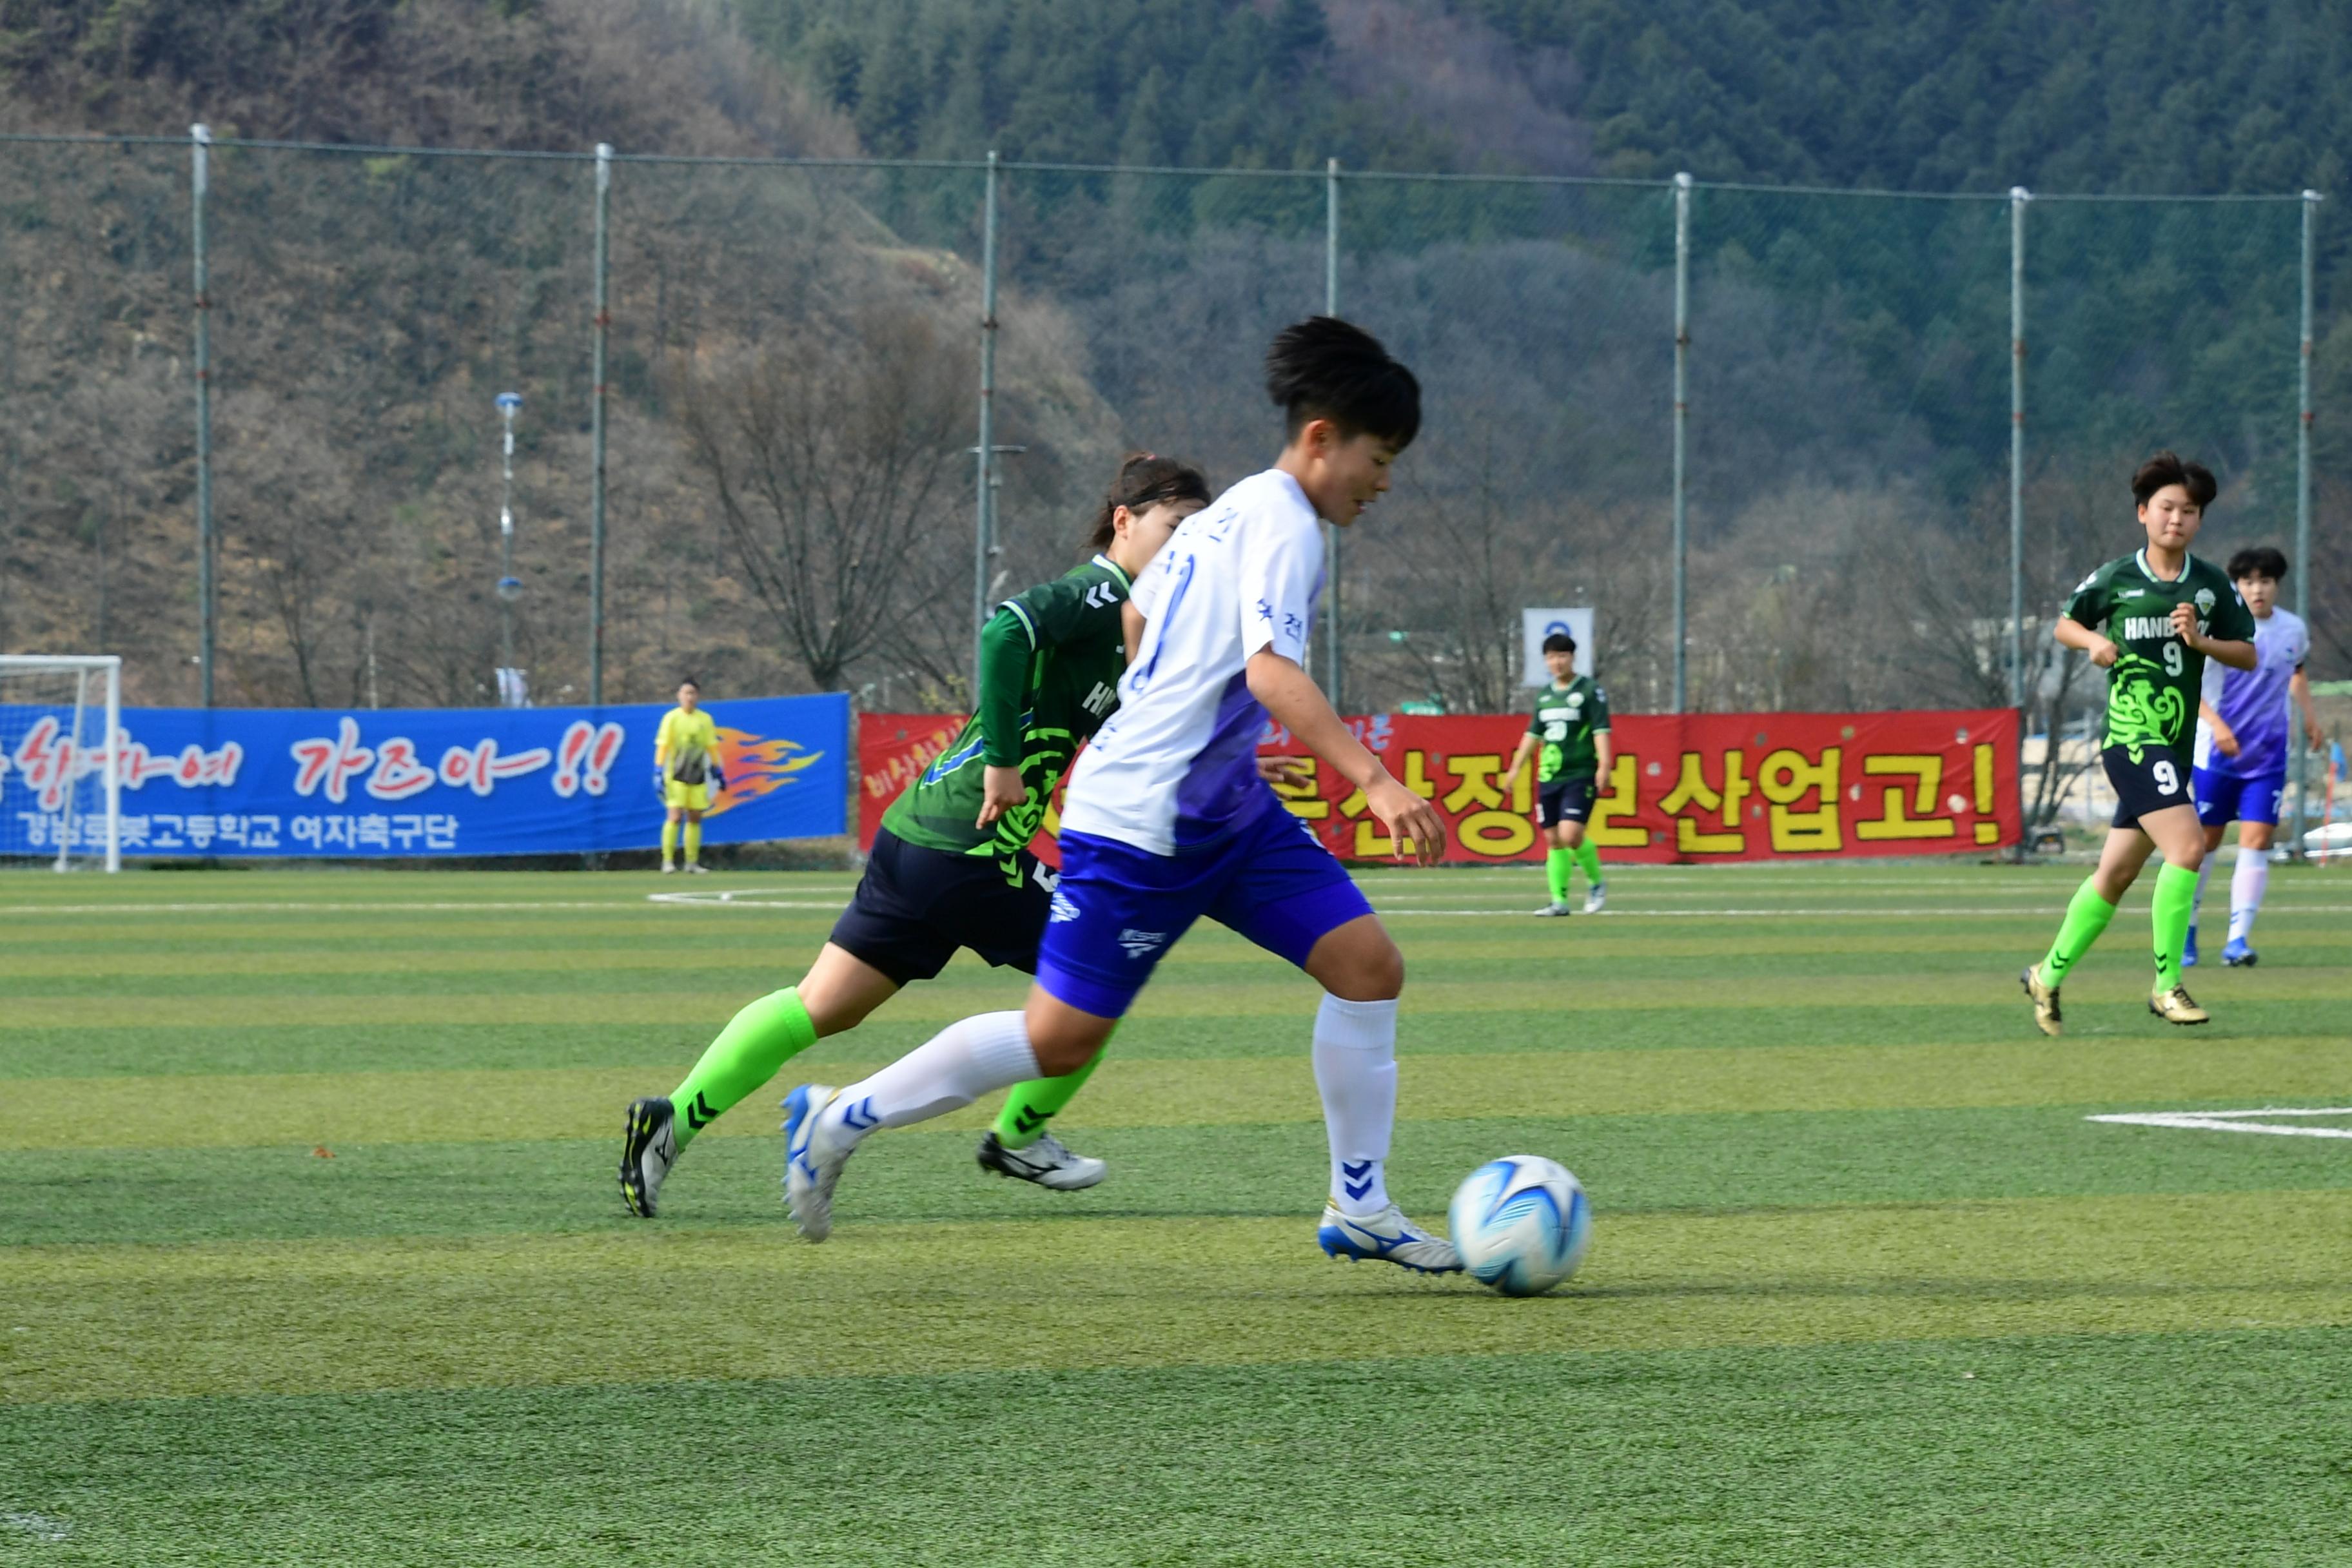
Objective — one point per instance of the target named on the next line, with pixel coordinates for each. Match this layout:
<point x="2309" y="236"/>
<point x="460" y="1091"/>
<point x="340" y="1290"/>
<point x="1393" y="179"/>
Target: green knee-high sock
<point x="1033" y="1104"/>
<point x="2087" y="915"/>
<point x="747" y="1053"/>
<point x="693" y="843"/>
<point x="2175" y="904"/>
<point x="669" y="840"/>
<point x="1589" y="858"/>
<point x="1558" y="867"/>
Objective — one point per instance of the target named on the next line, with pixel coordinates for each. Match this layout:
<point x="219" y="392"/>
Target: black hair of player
<point x="1145" y="480"/>
<point x="690" y="680"/>
<point x="1560" y="642"/>
<point x="2169" y="467"/>
<point x="1325" y="368"/>
<point x="2262" y="561"/>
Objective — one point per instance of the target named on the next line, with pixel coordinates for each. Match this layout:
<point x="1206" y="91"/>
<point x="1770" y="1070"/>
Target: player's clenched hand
<point x="1286" y="771"/>
<point x="2227" y="739"/>
<point x="1000" y="793"/>
<point x="2104" y="653"/>
<point x="1406" y="815"/>
<point x="2184" y="622"/>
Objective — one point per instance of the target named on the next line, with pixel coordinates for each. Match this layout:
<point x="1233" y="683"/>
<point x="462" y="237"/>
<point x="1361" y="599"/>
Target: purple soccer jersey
<point x="2254" y="703"/>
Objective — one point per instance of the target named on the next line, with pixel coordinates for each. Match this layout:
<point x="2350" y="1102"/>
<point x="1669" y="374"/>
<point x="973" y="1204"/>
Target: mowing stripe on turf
<point x="304" y="1317"/>
<point x="228" y="1111"/>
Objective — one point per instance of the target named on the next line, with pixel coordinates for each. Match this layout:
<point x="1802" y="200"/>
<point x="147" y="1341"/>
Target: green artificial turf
<point x="313" y="1252"/>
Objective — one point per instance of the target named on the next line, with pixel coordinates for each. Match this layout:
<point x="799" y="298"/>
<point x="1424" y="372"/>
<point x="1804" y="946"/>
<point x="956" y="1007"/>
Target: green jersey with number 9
<point x="2153" y="687"/>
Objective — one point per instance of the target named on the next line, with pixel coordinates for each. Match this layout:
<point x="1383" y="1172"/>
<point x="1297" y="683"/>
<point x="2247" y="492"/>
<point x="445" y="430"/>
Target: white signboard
<point x="1539" y="625"/>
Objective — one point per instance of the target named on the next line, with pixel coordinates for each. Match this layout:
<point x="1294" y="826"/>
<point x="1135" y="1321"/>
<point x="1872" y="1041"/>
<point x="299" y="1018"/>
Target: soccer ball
<point x="1521" y="1223"/>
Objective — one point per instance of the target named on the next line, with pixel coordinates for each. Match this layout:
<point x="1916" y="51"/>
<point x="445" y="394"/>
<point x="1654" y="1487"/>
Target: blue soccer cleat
<point x="1388" y="1238"/>
<point x="2238" y="955"/>
<point x="2188" y="949"/>
<point x="813" y="1161"/>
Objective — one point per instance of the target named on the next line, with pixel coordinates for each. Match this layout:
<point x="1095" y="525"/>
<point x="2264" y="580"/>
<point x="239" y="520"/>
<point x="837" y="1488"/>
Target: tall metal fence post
<point x="2018" y="196"/>
<point x="604" y="324"/>
<point x="2311" y="200"/>
<point x="1335" y="665"/>
<point x="1682" y="433"/>
<point x="985" y="517"/>
<point x="201" y="140"/>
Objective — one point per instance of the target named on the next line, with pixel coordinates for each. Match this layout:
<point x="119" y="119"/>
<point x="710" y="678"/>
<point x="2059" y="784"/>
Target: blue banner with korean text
<point x="391" y="783"/>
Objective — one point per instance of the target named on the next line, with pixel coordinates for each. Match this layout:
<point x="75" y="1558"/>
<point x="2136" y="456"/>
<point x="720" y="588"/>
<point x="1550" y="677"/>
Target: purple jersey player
<point x="1168" y="819"/>
<point x="2245" y="728"/>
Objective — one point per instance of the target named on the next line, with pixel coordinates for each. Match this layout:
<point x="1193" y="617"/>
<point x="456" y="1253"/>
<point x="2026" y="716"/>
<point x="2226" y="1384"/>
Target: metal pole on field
<point x="1336" y="669"/>
<point x="986" y="507"/>
<point x="2018" y="196"/>
<point x="2311" y="200"/>
<point x="201" y="140"/>
<point x="509" y="586"/>
<point x="1682" y="433"/>
<point x="596" y="428"/>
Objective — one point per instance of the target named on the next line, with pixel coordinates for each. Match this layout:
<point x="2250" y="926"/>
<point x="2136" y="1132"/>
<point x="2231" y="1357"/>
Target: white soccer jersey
<point x="2257" y="704"/>
<point x="1175" y="768"/>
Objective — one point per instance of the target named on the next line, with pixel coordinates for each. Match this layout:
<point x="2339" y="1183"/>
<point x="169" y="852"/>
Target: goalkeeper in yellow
<point x="687" y="774"/>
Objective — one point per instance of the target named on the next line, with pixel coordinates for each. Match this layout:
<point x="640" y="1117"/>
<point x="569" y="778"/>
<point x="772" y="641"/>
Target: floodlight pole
<point x="1681" y="442"/>
<point x="201" y="140"/>
<point x="1334" y="666"/>
<point x="510" y="405"/>
<point x="984" y="451"/>
<point x="2018" y="196"/>
<point x="2311" y="200"/>
<point x="596" y="428"/>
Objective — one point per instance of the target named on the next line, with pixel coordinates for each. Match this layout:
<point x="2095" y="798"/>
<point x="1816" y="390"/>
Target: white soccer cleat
<point x="1387" y="1237"/>
<point x="697" y="868"/>
<point x="1597" y="898"/>
<point x="812" y="1159"/>
<point x="1561" y="907"/>
<point x="1046" y="1163"/>
<point x="669" y="869"/>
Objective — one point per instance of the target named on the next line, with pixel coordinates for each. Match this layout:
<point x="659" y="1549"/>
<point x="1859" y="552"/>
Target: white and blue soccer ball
<point x="1521" y="1223"/>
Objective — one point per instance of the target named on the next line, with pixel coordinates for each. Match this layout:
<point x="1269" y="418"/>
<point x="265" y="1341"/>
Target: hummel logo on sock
<point x="698" y="1115"/>
<point x="1356" y="1178"/>
<point x="1026" y="1121"/>
<point x="860" y="1117"/>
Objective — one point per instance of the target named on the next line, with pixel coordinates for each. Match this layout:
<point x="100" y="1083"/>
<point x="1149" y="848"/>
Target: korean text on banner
<point x="414" y="781"/>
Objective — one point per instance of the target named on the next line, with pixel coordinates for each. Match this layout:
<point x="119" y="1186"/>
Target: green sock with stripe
<point x="2174" y="904"/>
<point x="2087" y="915"/>
<point x="1589" y="858"/>
<point x="747" y="1053"/>
<point x="1558" y="866"/>
<point x="1033" y="1104"/>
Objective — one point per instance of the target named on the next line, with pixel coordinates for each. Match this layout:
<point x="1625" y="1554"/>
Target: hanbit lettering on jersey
<point x="2152" y="628"/>
<point x="1097" y="702"/>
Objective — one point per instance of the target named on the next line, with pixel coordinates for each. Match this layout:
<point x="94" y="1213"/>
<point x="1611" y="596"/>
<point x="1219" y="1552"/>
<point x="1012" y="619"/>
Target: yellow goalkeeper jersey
<point x="685" y="747"/>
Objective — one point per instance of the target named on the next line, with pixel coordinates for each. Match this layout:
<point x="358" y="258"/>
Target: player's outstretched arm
<point x="1290" y="694"/>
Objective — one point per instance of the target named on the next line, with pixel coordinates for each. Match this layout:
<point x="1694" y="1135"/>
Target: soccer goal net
<point x="60" y="801"/>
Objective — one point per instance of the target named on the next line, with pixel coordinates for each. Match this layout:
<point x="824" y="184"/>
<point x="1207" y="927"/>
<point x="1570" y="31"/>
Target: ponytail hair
<point x="1144" y="479"/>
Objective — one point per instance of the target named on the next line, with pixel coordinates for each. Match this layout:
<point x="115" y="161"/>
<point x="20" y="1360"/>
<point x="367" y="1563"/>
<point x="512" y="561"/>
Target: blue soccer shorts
<point x="1117" y="908"/>
<point x="2222" y="799"/>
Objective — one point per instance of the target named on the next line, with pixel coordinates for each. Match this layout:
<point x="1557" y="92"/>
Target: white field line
<point x="2234" y="1120"/>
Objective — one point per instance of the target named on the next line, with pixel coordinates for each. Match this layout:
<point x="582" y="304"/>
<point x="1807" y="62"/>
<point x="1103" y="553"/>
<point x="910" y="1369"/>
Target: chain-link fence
<point x="1768" y="434"/>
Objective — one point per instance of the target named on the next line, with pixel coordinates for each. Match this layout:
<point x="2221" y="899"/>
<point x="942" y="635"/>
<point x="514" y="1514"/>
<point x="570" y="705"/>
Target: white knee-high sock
<point x="949" y="1070"/>
<point x="1355" y="1070"/>
<point x="2196" y="899"/>
<point x="2247" y="887"/>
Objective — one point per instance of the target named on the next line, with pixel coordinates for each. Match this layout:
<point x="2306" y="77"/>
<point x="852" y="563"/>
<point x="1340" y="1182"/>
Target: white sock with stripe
<point x="2247" y="886"/>
<point x="947" y="1072"/>
<point x="1356" y="1072"/>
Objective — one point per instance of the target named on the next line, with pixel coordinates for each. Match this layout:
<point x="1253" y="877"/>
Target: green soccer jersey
<point x="1051" y="660"/>
<point x="2153" y="687"/>
<point x="1566" y="720"/>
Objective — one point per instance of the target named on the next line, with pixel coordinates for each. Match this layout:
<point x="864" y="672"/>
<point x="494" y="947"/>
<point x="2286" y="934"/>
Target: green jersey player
<point x="2150" y="619"/>
<point x="1568" y="736"/>
<point x="951" y="866"/>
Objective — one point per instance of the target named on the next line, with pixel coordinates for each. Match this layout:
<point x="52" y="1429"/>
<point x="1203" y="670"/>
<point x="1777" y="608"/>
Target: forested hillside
<point x="785" y="341"/>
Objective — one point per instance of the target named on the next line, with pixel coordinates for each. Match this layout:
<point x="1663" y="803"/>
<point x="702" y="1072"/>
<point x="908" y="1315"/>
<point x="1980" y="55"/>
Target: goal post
<point x="60" y="790"/>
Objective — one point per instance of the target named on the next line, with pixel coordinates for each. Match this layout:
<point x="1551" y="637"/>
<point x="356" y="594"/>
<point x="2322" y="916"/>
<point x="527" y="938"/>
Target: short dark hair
<point x="2262" y="561"/>
<point x="1325" y="368"/>
<point x="2168" y="468"/>
<point x="690" y="680"/>
<point x="1144" y="479"/>
<point x="1560" y="642"/>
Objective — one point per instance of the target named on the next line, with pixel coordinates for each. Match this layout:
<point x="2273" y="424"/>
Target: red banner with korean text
<point x="1709" y="786"/>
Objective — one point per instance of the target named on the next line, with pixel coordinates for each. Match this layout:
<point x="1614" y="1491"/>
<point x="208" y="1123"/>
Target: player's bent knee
<point x="1359" y="963"/>
<point x="1063" y="1038"/>
<point x="2251" y="836"/>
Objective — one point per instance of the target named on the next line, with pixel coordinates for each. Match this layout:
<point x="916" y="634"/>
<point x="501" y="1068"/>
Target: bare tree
<point x="832" y="466"/>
